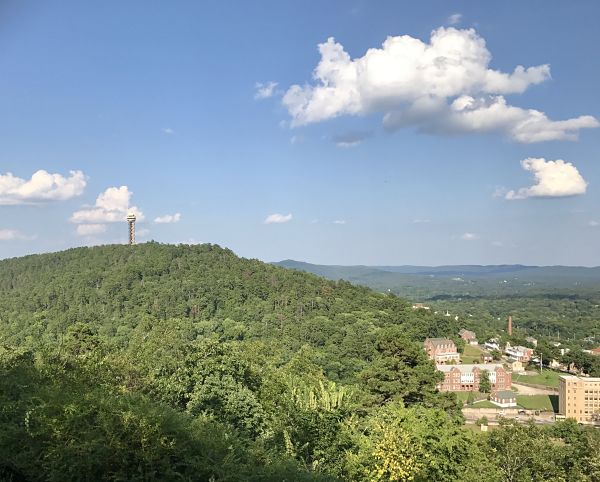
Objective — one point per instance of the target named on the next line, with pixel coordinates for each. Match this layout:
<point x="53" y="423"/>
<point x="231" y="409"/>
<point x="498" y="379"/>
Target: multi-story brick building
<point x="468" y="336"/>
<point x="441" y="350"/>
<point x="466" y="378"/>
<point x="579" y="398"/>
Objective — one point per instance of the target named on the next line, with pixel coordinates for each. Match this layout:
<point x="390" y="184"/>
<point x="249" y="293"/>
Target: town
<point x="497" y="381"/>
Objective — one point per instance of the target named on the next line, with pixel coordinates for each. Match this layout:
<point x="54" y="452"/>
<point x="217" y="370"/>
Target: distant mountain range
<point x="459" y="280"/>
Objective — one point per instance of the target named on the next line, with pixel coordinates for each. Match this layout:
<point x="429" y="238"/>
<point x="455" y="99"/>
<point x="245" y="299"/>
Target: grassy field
<point x="463" y="396"/>
<point x="538" y="402"/>
<point x="547" y="378"/>
<point x="471" y="354"/>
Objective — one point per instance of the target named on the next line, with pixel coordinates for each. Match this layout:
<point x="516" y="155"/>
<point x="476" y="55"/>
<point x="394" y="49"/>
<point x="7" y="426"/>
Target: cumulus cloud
<point x="339" y="221"/>
<point x="168" y="218"/>
<point x="266" y="90"/>
<point x="278" y="218"/>
<point x="168" y="131"/>
<point x="593" y="223"/>
<point x="444" y="86"/>
<point x="14" y="235"/>
<point x="552" y="179"/>
<point x="469" y="236"/>
<point x="112" y="206"/>
<point x="454" y="19"/>
<point x="350" y="139"/>
<point x="91" y="229"/>
<point x="42" y="187"/>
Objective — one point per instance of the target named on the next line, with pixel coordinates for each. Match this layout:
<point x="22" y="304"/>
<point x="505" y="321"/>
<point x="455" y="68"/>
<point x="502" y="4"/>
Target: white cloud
<point x="444" y="86"/>
<point x="168" y="218"/>
<point x="497" y="244"/>
<point x="91" y="229"/>
<point x="43" y="186"/>
<point x="454" y="19"/>
<point x="593" y="223"/>
<point x="266" y="90"/>
<point x="339" y="221"/>
<point x="486" y="114"/>
<point x="552" y="179"/>
<point x="421" y="221"/>
<point x="278" y="218"/>
<point x="469" y="236"/>
<point x="14" y="235"/>
<point x="168" y="130"/>
<point x="112" y="206"/>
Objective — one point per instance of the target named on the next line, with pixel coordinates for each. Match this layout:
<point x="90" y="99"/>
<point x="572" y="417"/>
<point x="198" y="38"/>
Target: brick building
<point x="468" y="336"/>
<point x="465" y="378"/>
<point x="441" y="350"/>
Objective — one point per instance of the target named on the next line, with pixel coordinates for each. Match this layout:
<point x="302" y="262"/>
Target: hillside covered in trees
<point x="159" y="362"/>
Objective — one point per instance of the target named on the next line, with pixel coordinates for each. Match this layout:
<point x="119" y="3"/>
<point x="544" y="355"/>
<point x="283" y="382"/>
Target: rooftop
<point x="468" y="368"/>
<point x="438" y="341"/>
<point x="505" y="394"/>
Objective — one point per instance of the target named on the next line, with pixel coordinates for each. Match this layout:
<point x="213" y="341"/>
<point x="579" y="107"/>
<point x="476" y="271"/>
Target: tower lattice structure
<point x="131" y="221"/>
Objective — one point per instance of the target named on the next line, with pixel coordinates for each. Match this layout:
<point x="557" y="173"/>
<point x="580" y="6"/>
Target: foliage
<point x="159" y="362"/>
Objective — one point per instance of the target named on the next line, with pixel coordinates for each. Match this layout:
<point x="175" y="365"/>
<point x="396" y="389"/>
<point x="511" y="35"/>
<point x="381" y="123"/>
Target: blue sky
<point x="415" y="152"/>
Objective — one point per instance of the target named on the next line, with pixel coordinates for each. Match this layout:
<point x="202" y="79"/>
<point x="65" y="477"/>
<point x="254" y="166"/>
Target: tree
<point x="400" y="370"/>
<point x="525" y="453"/>
<point x="484" y="382"/>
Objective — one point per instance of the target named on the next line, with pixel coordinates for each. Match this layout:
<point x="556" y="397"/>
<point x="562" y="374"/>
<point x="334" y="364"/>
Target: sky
<point x="339" y="132"/>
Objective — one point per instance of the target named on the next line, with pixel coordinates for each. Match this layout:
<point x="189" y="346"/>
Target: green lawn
<point x="548" y="378"/>
<point x="463" y="396"/>
<point x="471" y="354"/>
<point x="538" y="402"/>
<point x="484" y="404"/>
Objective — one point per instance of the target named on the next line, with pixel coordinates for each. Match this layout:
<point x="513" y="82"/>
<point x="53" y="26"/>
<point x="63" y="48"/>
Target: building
<point x="515" y="365"/>
<point x="420" y="306"/>
<point x="441" y="350"/>
<point x="532" y="340"/>
<point x="521" y="353"/>
<point x="465" y="378"/>
<point x="504" y="398"/>
<point x="486" y="357"/>
<point x="595" y="351"/>
<point x="579" y="398"/>
<point x="468" y="336"/>
<point x="491" y="345"/>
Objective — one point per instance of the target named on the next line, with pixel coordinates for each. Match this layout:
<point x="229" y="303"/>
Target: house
<point x="486" y="357"/>
<point x="420" y="306"/>
<point x="465" y="378"/>
<point x="515" y="365"/>
<point x="532" y="340"/>
<point x="468" y="336"/>
<point x="555" y="364"/>
<point x="441" y="350"/>
<point x="504" y="398"/>
<point x="595" y="351"/>
<point x="521" y="353"/>
<point x="491" y="345"/>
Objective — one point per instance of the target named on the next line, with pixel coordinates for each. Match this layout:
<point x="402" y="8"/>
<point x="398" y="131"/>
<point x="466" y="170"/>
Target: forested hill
<point x="159" y="362"/>
<point x="114" y="288"/>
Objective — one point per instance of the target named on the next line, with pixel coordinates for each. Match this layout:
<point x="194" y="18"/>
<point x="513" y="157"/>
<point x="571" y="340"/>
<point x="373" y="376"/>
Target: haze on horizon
<point x="347" y="133"/>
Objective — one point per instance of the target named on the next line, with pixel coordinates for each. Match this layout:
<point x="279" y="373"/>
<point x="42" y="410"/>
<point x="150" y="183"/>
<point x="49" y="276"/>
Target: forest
<point x="186" y="362"/>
